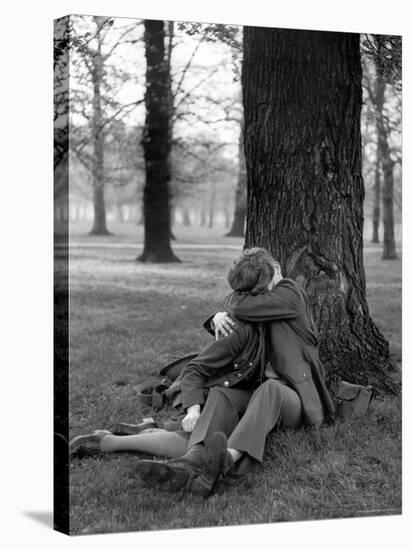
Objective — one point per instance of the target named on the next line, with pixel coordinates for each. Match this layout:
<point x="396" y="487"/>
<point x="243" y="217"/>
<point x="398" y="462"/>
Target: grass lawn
<point x="128" y="320"/>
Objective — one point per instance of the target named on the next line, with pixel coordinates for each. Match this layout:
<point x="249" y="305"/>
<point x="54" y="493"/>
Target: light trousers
<point x="247" y="417"/>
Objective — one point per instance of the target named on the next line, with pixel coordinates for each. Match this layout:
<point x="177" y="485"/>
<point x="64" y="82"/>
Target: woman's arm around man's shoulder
<point x="283" y="302"/>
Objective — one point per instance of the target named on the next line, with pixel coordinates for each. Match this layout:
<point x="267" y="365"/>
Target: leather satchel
<point x="352" y="400"/>
<point x="158" y="390"/>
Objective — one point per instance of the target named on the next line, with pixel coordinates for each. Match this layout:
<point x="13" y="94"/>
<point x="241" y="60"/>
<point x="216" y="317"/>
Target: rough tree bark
<point x="156" y="147"/>
<point x="99" y="222"/>
<point x="302" y="101"/>
<point x="238" y="225"/>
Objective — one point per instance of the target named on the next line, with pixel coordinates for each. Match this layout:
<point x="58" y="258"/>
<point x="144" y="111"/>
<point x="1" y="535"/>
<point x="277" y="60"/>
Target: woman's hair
<point x="252" y="271"/>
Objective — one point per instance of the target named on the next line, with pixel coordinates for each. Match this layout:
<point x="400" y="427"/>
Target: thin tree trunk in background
<point x="118" y="211"/>
<point x="227" y="218"/>
<point x="172" y="222"/>
<point x="302" y="100"/>
<point x="186" y="218"/>
<point x="376" y="202"/>
<point x="212" y="207"/>
<point x="156" y="147"/>
<point x="239" y="216"/>
<point x="389" y="246"/>
<point x="202" y="218"/>
<point x="99" y="222"/>
<point x="378" y="100"/>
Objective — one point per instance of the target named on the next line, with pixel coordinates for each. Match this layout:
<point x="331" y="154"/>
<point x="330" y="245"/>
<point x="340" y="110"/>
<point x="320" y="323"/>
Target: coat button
<point x="236" y="365"/>
<point x="250" y="364"/>
<point x="226" y="383"/>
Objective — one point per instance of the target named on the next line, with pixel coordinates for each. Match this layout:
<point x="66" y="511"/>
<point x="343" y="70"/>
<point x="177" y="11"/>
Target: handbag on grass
<point x="353" y="400"/>
<point x="156" y="391"/>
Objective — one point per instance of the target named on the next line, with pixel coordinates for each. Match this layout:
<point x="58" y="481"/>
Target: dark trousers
<point x="247" y="417"/>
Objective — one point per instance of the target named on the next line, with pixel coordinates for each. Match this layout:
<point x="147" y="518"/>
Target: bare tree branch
<point x="187" y="94"/>
<point x="186" y="68"/>
<point x="120" y="41"/>
<point x="133" y="105"/>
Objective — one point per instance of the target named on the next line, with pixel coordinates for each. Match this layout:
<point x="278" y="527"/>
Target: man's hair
<point x="252" y="271"/>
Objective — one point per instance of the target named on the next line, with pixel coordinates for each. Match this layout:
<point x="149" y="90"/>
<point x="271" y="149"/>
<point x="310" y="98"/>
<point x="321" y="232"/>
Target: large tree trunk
<point x="99" y="222"/>
<point x="238" y="226"/>
<point x="156" y="147"/>
<point x="302" y="100"/>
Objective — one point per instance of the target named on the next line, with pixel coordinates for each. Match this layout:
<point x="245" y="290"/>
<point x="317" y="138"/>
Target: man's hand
<point x="189" y="421"/>
<point x="223" y="324"/>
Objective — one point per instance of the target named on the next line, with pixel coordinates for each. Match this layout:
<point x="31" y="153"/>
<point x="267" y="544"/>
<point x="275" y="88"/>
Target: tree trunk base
<point x="158" y="257"/>
<point x="392" y="256"/>
<point x="101" y="232"/>
<point x="353" y="351"/>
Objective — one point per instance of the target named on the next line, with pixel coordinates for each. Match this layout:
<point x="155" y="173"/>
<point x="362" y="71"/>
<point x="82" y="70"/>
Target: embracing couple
<point x="262" y="371"/>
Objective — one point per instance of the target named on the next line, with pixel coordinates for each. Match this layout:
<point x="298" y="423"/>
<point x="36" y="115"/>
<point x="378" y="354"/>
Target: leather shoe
<point x="197" y="471"/>
<point x="88" y="444"/>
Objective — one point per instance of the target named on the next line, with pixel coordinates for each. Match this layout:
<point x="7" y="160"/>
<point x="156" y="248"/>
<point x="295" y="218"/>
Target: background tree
<point x="203" y="179"/>
<point x="202" y="103"/>
<point x="61" y="62"/>
<point x="231" y="111"/>
<point x="302" y="100"/>
<point x="385" y="53"/>
<point x="96" y="77"/>
<point x="239" y="216"/>
<point x="371" y="158"/>
<point x="156" y="146"/>
<point x="63" y="41"/>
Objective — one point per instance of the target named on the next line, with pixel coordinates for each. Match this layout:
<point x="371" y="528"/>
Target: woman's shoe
<point x="88" y="444"/>
<point x="122" y="428"/>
